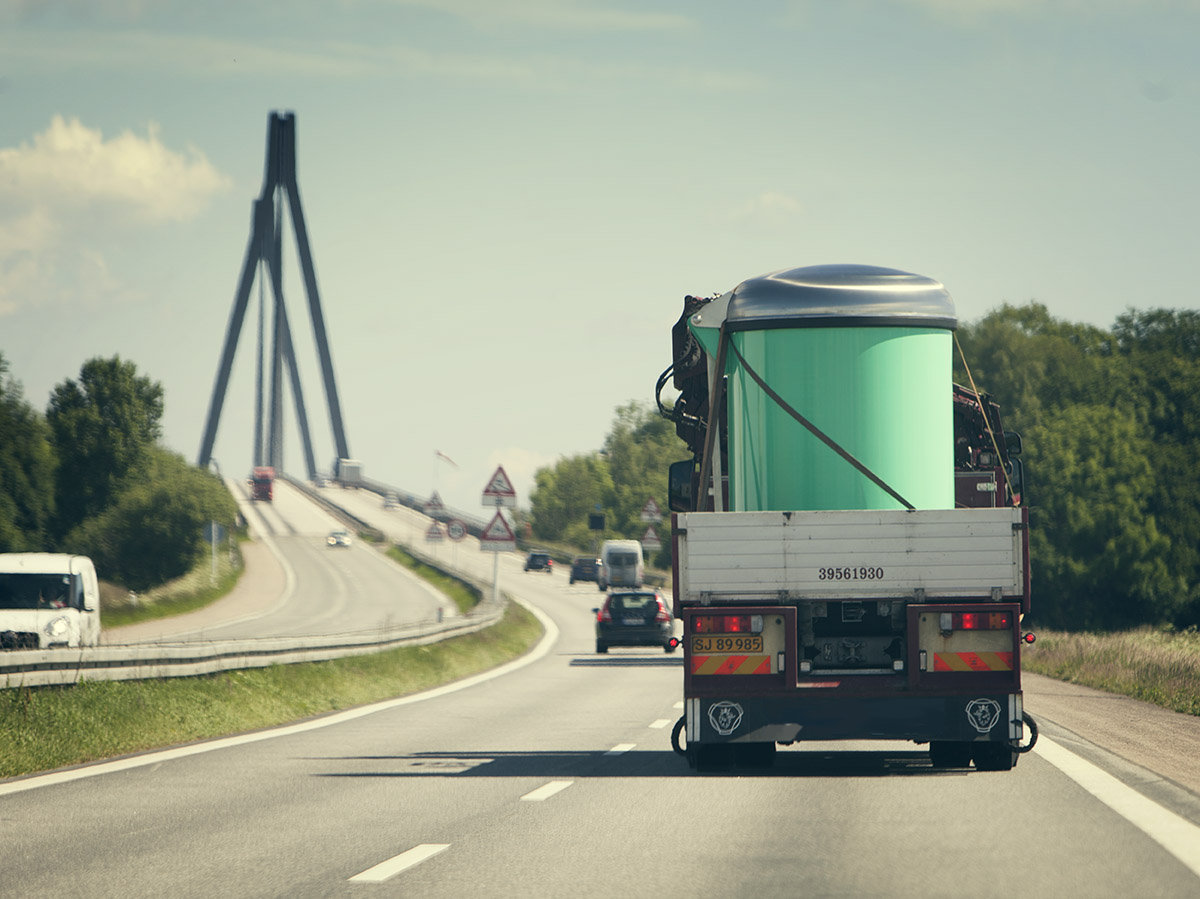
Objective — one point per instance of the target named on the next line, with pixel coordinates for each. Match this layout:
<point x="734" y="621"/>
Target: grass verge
<point x="44" y="728"/>
<point x="1162" y="667"/>
<point x="204" y="584"/>
<point x="461" y="593"/>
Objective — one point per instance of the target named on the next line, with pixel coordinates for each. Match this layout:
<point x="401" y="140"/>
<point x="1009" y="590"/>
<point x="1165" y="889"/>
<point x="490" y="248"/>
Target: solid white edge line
<point x="402" y="862"/>
<point x="546" y="790"/>
<point x="153" y="758"/>
<point x="620" y="748"/>
<point x="1177" y="835"/>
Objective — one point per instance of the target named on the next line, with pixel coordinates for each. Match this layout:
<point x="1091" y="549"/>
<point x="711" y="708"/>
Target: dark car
<point x="585" y="568"/>
<point x="539" y="562"/>
<point x="634" y="618"/>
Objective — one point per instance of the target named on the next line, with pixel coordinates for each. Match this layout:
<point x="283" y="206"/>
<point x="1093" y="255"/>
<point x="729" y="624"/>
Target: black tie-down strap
<point x="813" y="429"/>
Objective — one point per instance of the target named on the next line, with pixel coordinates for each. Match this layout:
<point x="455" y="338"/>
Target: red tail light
<point x="663" y="614"/>
<point x="605" y="614"/>
<point x="983" y="621"/>
<point x="727" y="624"/>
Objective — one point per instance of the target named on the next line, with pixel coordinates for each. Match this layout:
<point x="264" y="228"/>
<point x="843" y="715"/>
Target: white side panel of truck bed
<point x="755" y="556"/>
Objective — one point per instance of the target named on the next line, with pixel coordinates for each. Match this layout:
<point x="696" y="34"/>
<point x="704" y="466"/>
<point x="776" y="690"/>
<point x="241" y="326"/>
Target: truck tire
<point x="993" y="756"/>
<point x="948" y="754"/>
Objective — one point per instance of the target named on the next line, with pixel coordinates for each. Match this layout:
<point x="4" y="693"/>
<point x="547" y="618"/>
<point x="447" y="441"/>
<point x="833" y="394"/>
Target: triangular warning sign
<point x="498" y="529"/>
<point x="651" y="512"/>
<point x="434" y="534"/>
<point x="650" y="539"/>
<point x="499" y="490"/>
<point x="434" y="503"/>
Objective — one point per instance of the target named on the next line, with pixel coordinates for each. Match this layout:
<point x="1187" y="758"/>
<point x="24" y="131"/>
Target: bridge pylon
<point x="265" y="251"/>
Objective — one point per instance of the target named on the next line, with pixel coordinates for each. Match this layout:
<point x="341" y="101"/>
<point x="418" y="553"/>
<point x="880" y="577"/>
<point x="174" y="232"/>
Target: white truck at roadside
<point x="48" y="601"/>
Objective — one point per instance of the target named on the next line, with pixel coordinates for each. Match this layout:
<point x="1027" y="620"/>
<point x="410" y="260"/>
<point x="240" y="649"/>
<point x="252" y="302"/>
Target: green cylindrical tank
<point x="864" y="354"/>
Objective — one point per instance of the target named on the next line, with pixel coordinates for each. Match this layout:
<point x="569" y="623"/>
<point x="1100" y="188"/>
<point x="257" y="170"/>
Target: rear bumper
<point x="612" y="635"/>
<point x="989" y="717"/>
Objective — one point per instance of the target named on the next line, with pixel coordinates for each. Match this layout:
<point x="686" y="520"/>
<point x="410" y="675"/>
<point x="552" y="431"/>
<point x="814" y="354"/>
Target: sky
<point x="506" y="202"/>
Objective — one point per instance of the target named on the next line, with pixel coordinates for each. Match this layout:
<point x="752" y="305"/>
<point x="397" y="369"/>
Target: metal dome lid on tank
<point x="832" y="296"/>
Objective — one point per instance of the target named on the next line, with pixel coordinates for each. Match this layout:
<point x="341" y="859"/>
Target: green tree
<point x="27" y="464"/>
<point x="1161" y="348"/>
<point x="639" y="448"/>
<point x="104" y="426"/>
<point x="565" y="494"/>
<point x="153" y="530"/>
<point x="1099" y="559"/>
<point x="630" y="470"/>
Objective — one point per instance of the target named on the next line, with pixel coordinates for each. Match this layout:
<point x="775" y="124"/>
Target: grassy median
<point x="43" y="728"/>
<point x="1162" y="667"/>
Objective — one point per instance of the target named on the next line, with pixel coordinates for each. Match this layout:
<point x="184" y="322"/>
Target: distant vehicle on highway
<point x="634" y="618"/>
<point x="539" y="561"/>
<point x="262" y="481"/>
<point x="338" y="538"/>
<point x="585" y="568"/>
<point x="620" y="564"/>
<point x="48" y="600"/>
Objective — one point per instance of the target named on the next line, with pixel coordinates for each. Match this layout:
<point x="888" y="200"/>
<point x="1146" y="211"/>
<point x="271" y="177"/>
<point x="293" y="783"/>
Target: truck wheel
<point x="994" y="756"/>
<point x="601" y="647"/>
<point x="946" y="754"/>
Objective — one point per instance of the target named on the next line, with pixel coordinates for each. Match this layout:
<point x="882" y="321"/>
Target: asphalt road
<point x="297" y="585"/>
<point x="555" y="777"/>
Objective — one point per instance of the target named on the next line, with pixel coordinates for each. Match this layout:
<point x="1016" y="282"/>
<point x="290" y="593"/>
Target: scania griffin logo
<point x="983" y="714"/>
<point x="725" y="716"/>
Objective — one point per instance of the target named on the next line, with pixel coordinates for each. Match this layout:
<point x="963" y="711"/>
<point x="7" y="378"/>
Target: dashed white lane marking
<point x="678" y="705"/>
<point x="402" y="862"/>
<point x="1177" y="835"/>
<point x="661" y="723"/>
<point x="620" y="748"/>
<point x="545" y="791"/>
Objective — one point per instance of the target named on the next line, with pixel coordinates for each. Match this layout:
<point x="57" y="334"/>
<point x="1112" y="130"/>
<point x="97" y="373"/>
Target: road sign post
<point x="498" y="536"/>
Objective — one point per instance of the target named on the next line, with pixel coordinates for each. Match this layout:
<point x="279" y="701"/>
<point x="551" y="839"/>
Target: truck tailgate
<point x="772" y="556"/>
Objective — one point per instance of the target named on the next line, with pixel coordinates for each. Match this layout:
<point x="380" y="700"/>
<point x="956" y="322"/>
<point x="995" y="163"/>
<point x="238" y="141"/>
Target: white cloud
<point x="564" y="15"/>
<point x="70" y="165"/>
<point x="770" y="206"/>
<point x="68" y="191"/>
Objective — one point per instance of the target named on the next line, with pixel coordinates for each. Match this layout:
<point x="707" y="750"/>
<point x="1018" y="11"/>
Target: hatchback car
<point x="585" y="568"/>
<point x="634" y="618"/>
<point x="338" y="538"/>
<point x="539" y="562"/>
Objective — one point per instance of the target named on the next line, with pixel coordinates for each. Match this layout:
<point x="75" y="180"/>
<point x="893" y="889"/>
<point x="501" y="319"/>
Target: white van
<point x="620" y="564"/>
<point x="48" y="600"/>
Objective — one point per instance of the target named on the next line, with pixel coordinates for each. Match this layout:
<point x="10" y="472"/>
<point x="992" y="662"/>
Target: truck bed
<point x="782" y="556"/>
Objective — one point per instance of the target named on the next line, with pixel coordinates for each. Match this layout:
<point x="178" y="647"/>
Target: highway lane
<point x="323" y="590"/>
<point x="557" y="778"/>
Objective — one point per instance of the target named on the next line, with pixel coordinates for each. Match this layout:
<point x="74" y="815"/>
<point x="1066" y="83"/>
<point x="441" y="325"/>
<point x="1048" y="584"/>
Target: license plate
<point x="634" y="621"/>
<point x="728" y="643"/>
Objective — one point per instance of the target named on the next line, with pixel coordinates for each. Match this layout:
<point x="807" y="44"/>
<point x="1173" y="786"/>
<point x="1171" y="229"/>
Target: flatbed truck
<point x="839" y="570"/>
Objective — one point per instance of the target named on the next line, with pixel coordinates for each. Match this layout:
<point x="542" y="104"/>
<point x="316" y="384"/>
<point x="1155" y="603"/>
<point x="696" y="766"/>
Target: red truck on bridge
<point x="262" y="483"/>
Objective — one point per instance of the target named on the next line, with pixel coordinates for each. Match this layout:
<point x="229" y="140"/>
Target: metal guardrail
<point x="34" y="668"/>
<point x="46" y="667"/>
